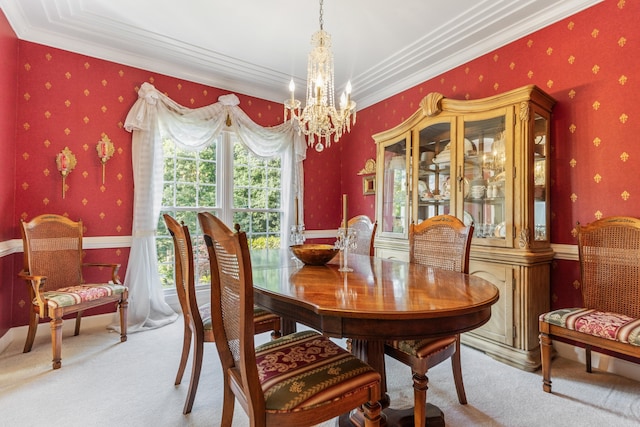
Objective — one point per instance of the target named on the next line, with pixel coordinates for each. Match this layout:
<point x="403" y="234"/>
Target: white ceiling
<point x="255" y="47"/>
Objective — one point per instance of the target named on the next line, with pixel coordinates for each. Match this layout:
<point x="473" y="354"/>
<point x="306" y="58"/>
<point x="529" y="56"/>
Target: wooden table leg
<point x="288" y="326"/>
<point x="372" y="352"/>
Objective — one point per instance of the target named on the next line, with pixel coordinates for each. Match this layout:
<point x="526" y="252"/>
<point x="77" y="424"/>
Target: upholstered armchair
<point x="53" y="271"/>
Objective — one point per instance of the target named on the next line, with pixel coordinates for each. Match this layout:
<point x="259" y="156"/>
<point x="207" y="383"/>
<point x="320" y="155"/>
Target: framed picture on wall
<point x="369" y="185"/>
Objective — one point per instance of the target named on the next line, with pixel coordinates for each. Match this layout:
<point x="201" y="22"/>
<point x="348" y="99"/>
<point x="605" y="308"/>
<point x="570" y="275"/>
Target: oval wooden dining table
<point x="379" y="300"/>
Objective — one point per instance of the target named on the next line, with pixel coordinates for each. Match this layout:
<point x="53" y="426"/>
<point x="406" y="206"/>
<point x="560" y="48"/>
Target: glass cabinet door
<point x="394" y="215"/>
<point x="432" y="156"/>
<point x="483" y="178"/>
<point x="540" y="177"/>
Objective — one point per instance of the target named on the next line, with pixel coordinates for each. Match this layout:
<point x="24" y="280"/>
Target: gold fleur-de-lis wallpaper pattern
<point x="71" y="100"/>
<point x="590" y="64"/>
<point x="587" y="62"/>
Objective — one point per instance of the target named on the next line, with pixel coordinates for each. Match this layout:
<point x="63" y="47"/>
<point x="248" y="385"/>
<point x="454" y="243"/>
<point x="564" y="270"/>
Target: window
<point x="227" y="180"/>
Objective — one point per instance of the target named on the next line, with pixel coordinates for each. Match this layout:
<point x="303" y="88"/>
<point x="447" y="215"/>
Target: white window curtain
<point x="153" y="117"/>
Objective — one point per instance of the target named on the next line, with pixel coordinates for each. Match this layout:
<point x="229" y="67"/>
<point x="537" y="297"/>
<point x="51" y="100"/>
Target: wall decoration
<point x="105" y="151"/>
<point x="369" y="185"/>
<point x="368" y="181"/>
<point x="66" y="162"/>
<point x="369" y="168"/>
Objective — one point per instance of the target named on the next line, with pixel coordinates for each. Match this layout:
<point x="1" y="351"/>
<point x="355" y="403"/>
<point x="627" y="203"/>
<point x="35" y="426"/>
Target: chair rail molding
<point x="8" y="247"/>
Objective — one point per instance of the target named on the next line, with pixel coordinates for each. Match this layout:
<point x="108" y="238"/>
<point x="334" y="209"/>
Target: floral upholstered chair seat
<point x="72" y="295"/>
<point x="612" y="326"/>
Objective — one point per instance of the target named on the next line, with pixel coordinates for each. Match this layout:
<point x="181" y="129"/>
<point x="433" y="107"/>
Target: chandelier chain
<point x="321" y="16"/>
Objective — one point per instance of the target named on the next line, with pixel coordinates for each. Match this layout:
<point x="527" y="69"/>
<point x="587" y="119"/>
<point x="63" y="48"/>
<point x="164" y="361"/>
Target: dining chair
<point x="53" y="271"/>
<point x="609" y="317"/>
<point x="197" y="317"/>
<point x="365" y="234"/>
<point x="441" y="241"/>
<point x="300" y="379"/>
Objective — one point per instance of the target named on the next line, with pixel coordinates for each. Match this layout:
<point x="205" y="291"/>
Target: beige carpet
<point x="105" y="383"/>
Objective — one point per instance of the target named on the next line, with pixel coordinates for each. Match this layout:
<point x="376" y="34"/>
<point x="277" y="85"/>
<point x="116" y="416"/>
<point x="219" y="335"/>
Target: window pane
<point x="273" y="179"/>
<point x="186" y="170"/>
<point x="207" y="195"/>
<point x="167" y="194"/>
<point x="274" y="199"/>
<point x="169" y="169"/>
<point x="240" y="198"/>
<point x="208" y="153"/>
<point x="257" y="198"/>
<point x="244" y="220"/>
<point x="196" y="181"/>
<point x="240" y="175"/>
<point x="273" y="222"/>
<point x="207" y="172"/>
<point x="258" y="177"/>
<point x="186" y="195"/>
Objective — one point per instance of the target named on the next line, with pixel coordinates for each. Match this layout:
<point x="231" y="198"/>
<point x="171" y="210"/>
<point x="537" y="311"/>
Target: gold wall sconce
<point x="105" y="152"/>
<point x="66" y="162"/>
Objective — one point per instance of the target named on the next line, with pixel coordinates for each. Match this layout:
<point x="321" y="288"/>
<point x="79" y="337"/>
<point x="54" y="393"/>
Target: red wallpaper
<point x="588" y="63"/>
<point x="8" y="80"/>
<point x="70" y="100"/>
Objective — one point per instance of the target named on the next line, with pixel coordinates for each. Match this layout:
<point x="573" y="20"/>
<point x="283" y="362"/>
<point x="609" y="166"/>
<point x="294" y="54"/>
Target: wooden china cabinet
<point x="485" y="161"/>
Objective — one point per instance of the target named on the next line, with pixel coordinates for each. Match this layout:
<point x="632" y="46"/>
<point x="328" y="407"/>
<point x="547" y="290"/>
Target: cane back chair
<point x="443" y="242"/>
<point x="365" y="234"/>
<point x="53" y="271"/>
<point x="300" y="379"/>
<point x="197" y="317"/>
<point x="609" y="255"/>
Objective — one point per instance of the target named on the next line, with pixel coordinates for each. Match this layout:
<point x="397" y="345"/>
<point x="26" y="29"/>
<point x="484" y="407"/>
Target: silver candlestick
<point x="346" y="240"/>
<point x="297" y="234"/>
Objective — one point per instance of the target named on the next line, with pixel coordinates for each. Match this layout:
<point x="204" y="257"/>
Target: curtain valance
<point x="154" y="117"/>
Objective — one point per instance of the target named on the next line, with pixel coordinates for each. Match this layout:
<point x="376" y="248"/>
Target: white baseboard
<point x="599" y="361"/>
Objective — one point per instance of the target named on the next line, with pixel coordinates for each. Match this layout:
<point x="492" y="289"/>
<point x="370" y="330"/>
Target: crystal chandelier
<point x="319" y="119"/>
